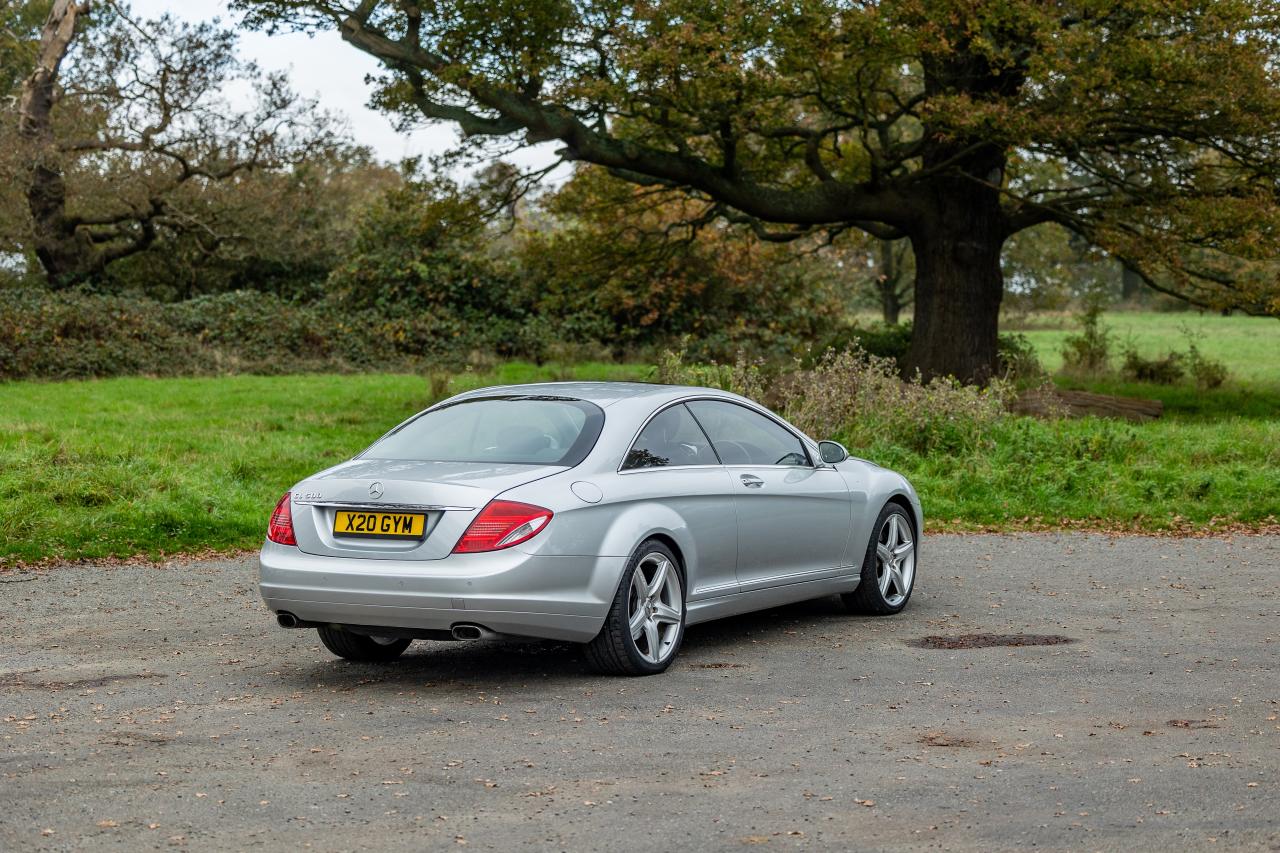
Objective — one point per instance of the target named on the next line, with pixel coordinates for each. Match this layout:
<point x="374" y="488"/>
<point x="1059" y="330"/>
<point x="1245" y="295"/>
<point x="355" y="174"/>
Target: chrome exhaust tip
<point x="467" y="631"/>
<point x="285" y="619"/>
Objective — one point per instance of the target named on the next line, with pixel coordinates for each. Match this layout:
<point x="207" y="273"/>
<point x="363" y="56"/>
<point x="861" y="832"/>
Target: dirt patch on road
<point x="944" y="739"/>
<point x="1191" y="724"/>
<point x="19" y="680"/>
<point x="986" y="641"/>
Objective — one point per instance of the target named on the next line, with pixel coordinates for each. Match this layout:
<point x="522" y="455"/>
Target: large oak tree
<point x="1148" y="126"/>
<point x="122" y="130"/>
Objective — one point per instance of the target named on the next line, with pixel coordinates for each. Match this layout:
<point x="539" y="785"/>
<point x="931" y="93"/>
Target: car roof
<point x="603" y="394"/>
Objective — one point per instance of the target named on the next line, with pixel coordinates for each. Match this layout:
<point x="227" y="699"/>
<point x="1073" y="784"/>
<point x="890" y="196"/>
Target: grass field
<point x="124" y="466"/>
<point x="1248" y="346"/>
<point x="154" y="466"/>
<point x="1172" y="474"/>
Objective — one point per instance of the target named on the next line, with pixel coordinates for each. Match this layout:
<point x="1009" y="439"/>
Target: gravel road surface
<point x="157" y="707"/>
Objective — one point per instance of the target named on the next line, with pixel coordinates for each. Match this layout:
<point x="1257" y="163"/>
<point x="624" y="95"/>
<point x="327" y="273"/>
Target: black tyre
<point x="362" y="648"/>
<point x="889" y="568"/>
<point x="645" y="625"/>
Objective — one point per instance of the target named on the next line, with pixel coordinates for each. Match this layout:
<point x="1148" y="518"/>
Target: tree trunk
<point x="889" y="307"/>
<point x="64" y="254"/>
<point x="960" y="228"/>
<point x="959" y="284"/>
<point x="887" y="283"/>
<point x="1131" y="285"/>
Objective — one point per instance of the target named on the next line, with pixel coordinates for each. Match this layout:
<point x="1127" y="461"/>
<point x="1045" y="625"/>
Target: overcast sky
<point x="333" y="72"/>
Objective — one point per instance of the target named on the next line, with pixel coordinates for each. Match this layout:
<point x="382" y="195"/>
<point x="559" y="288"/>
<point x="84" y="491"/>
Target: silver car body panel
<point x="801" y="534"/>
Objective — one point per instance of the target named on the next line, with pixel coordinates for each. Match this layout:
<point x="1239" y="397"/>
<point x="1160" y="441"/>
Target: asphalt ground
<point x="159" y="706"/>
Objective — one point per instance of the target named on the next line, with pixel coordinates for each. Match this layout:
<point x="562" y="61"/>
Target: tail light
<point x="502" y="524"/>
<point x="280" y="528"/>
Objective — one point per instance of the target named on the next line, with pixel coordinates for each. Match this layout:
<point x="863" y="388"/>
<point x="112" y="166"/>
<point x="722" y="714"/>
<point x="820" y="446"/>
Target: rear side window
<point x="744" y="437"/>
<point x="672" y="437"/>
<point x="501" y="430"/>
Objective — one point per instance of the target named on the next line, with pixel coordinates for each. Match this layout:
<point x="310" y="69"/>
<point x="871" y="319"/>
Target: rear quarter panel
<point x="690" y="507"/>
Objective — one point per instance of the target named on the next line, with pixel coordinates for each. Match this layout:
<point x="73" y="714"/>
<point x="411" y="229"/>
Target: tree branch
<point x="827" y="203"/>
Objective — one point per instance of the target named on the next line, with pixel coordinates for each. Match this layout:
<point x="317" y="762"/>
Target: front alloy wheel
<point x="645" y="624"/>
<point x="889" y="569"/>
<point x="895" y="560"/>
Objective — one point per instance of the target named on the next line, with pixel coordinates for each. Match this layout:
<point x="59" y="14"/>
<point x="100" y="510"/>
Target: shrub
<point x="1165" y="370"/>
<point x="76" y="334"/>
<point x="742" y="377"/>
<point x="1018" y="359"/>
<point x="861" y="398"/>
<point x="69" y="335"/>
<point x="884" y="341"/>
<point x="1017" y="356"/>
<point x="631" y="258"/>
<point x="1207" y="372"/>
<point x="1088" y="353"/>
<point x="880" y="340"/>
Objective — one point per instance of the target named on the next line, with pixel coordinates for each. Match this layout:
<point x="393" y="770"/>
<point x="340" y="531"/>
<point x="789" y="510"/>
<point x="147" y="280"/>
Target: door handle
<point x="752" y="482"/>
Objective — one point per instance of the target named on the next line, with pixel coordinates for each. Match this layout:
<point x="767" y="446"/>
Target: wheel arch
<point x="667" y="539"/>
<point x="670" y="542"/>
<point x="651" y="520"/>
<point x="648" y="520"/>
<point x="917" y="521"/>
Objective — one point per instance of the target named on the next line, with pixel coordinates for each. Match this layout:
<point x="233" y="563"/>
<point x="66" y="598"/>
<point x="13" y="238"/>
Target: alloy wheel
<point x="655" y="607"/>
<point x="895" y="559"/>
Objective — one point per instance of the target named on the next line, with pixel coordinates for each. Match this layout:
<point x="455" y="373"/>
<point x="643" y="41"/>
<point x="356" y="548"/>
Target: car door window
<point x="743" y="437"/>
<point x="672" y="437"/>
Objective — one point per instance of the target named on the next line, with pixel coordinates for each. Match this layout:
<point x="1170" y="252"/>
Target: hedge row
<point x="78" y="335"/>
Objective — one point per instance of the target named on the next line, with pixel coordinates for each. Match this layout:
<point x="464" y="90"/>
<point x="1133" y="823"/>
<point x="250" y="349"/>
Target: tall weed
<point x="859" y="398"/>
<point x="1088" y="353"/>
<point x="744" y="376"/>
<point x="1207" y="372"/>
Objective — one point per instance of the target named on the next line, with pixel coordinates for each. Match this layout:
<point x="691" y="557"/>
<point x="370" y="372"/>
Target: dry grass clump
<point x="859" y="398"/>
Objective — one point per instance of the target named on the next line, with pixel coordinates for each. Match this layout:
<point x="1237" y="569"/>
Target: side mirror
<point x="832" y="452"/>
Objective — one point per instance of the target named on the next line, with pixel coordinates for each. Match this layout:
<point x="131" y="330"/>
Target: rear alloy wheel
<point x="362" y="648"/>
<point x="889" y="569"/>
<point x="645" y="625"/>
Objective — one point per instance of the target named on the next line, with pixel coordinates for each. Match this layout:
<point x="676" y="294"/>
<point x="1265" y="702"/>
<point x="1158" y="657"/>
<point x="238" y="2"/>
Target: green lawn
<point x="1173" y="474"/>
<point x="159" y="466"/>
<point x="124" y="466"/>
<point x="1248" y="346"/>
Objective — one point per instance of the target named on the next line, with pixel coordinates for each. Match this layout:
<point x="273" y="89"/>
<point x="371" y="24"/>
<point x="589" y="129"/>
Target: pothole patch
<point x="18" y="681"/>
<point x="944" y="739"/>
<point x="986" y="641"/>
<point x="1191" y="724"/>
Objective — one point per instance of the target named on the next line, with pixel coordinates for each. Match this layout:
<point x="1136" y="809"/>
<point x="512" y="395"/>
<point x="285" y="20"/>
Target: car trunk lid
<point x="448" y="494"/>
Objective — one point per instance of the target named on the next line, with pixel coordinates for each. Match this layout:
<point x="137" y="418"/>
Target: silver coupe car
<point x="612" y="514"/>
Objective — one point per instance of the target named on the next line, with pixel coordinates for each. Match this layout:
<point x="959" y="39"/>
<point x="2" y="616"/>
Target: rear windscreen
<point x="511" y="430"/>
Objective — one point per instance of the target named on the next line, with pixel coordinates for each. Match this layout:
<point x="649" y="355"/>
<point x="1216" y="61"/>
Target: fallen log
<point x="1078" y="404"/>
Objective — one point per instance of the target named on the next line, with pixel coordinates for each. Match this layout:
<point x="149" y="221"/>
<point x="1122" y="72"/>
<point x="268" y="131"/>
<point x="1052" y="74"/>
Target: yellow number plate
<point x="384" y="525"/>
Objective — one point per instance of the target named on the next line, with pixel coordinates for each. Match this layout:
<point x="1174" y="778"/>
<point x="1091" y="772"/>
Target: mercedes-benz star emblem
<point x="375" y="489"/>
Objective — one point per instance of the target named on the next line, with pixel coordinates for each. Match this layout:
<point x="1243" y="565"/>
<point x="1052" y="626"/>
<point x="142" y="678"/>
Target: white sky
<point x="332" y="72"/>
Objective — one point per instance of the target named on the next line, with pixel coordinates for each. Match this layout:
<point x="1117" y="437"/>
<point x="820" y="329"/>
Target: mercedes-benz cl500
<point x="610" y="514"/>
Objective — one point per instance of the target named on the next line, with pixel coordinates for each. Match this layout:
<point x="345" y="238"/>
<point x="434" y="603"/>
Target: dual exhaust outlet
<point x="461" y="631"/>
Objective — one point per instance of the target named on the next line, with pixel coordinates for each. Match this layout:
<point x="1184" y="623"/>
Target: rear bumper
<point x="511" y="592"/>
